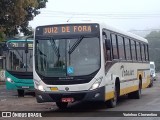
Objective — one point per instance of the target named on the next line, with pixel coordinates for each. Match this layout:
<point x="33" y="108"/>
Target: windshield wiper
<point x="55" y="48"/>
<point x="75" y="45"/>
<point x="41" y="53"/>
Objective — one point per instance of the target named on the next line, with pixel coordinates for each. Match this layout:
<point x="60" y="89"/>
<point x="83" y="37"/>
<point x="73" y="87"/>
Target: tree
<point x="154" y="47"/>
<point x="16" y="14"/>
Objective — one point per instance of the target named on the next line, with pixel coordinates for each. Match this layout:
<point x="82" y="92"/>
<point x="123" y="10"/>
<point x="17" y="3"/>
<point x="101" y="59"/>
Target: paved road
<point x="150" y="101"/>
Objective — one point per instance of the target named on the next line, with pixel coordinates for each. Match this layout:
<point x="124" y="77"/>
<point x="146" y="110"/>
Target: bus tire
<point x="20" y="93"/>
<point x="62" y="105"/>
<point x="113" y="102"/>
<point x="137" y="94"/>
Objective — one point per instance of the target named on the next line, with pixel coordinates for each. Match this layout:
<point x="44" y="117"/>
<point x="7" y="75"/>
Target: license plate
<point x="67" y="99"/>
<point x="25" y="87"/>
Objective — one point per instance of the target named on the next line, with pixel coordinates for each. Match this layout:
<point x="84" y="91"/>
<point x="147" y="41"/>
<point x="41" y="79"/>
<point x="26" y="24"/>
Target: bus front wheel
<point x="20" y="93"/>
<point x="62" y="105"/>
<point x="113" y="102"/>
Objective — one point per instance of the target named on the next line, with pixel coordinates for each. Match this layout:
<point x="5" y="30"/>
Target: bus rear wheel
<point x="62" y="105"/>
<point x="136" y="94"/>
<point x="20" y="93"/>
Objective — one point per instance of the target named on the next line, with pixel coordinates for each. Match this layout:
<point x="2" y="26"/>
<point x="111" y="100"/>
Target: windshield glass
<point x="67" y="57"/>
<point x="18" y="60"/>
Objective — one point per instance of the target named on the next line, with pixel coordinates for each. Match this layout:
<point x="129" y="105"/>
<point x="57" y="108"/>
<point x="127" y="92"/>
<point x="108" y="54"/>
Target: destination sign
<point x="67" y="29"/>
<point x="19" y="44"/>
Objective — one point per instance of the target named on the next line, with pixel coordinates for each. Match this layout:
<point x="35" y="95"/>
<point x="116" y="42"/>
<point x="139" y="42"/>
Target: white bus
<point x="88" y="62"/>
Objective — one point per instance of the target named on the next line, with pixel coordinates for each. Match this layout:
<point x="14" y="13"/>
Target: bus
<point x="88" y="61"/>
<point x="19" y="65"/>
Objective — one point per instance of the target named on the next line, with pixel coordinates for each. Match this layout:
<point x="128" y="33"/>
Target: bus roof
<point x="134" y="36"/>
<point x="108" y="27"/>
<point x="19" y="40"/>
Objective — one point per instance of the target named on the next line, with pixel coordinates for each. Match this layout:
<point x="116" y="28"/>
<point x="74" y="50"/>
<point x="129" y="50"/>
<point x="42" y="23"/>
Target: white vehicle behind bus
<point x="153" y="70"/>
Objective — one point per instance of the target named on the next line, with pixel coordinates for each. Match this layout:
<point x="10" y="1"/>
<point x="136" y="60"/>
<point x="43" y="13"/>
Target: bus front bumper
<point x="15" y="86"/>
<point x="90" y="95"/>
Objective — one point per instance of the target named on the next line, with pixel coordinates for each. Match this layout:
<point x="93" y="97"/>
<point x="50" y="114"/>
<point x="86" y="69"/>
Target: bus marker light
<point x="40" y="97"/>
<point x="97" y="94"/>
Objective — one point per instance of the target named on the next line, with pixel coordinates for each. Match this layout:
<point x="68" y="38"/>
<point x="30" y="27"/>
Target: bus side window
<point x="107" y="45"/>
<point x="127" y="46"/>
<point x="147" y="53"/>
<point x="133" y="49"/>
<point x="143" y="52"/>
<point x="138" y="51"/>
<point x="114" y="46"/>
<point x="121" y="48"/>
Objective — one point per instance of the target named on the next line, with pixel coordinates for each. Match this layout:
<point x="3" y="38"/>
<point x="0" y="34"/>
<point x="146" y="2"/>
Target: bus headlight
<point x="96" y="84"/>
<point x="9" y="80"/>
<point x="40" y="87"/>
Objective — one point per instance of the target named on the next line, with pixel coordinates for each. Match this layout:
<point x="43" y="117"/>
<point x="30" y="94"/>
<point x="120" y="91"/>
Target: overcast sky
<point x="123" y="14"/>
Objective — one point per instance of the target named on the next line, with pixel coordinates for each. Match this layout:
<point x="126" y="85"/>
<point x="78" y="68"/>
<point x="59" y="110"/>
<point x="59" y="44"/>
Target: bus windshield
<point x="18" y="60"/>
<point x="67" y="57"/>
